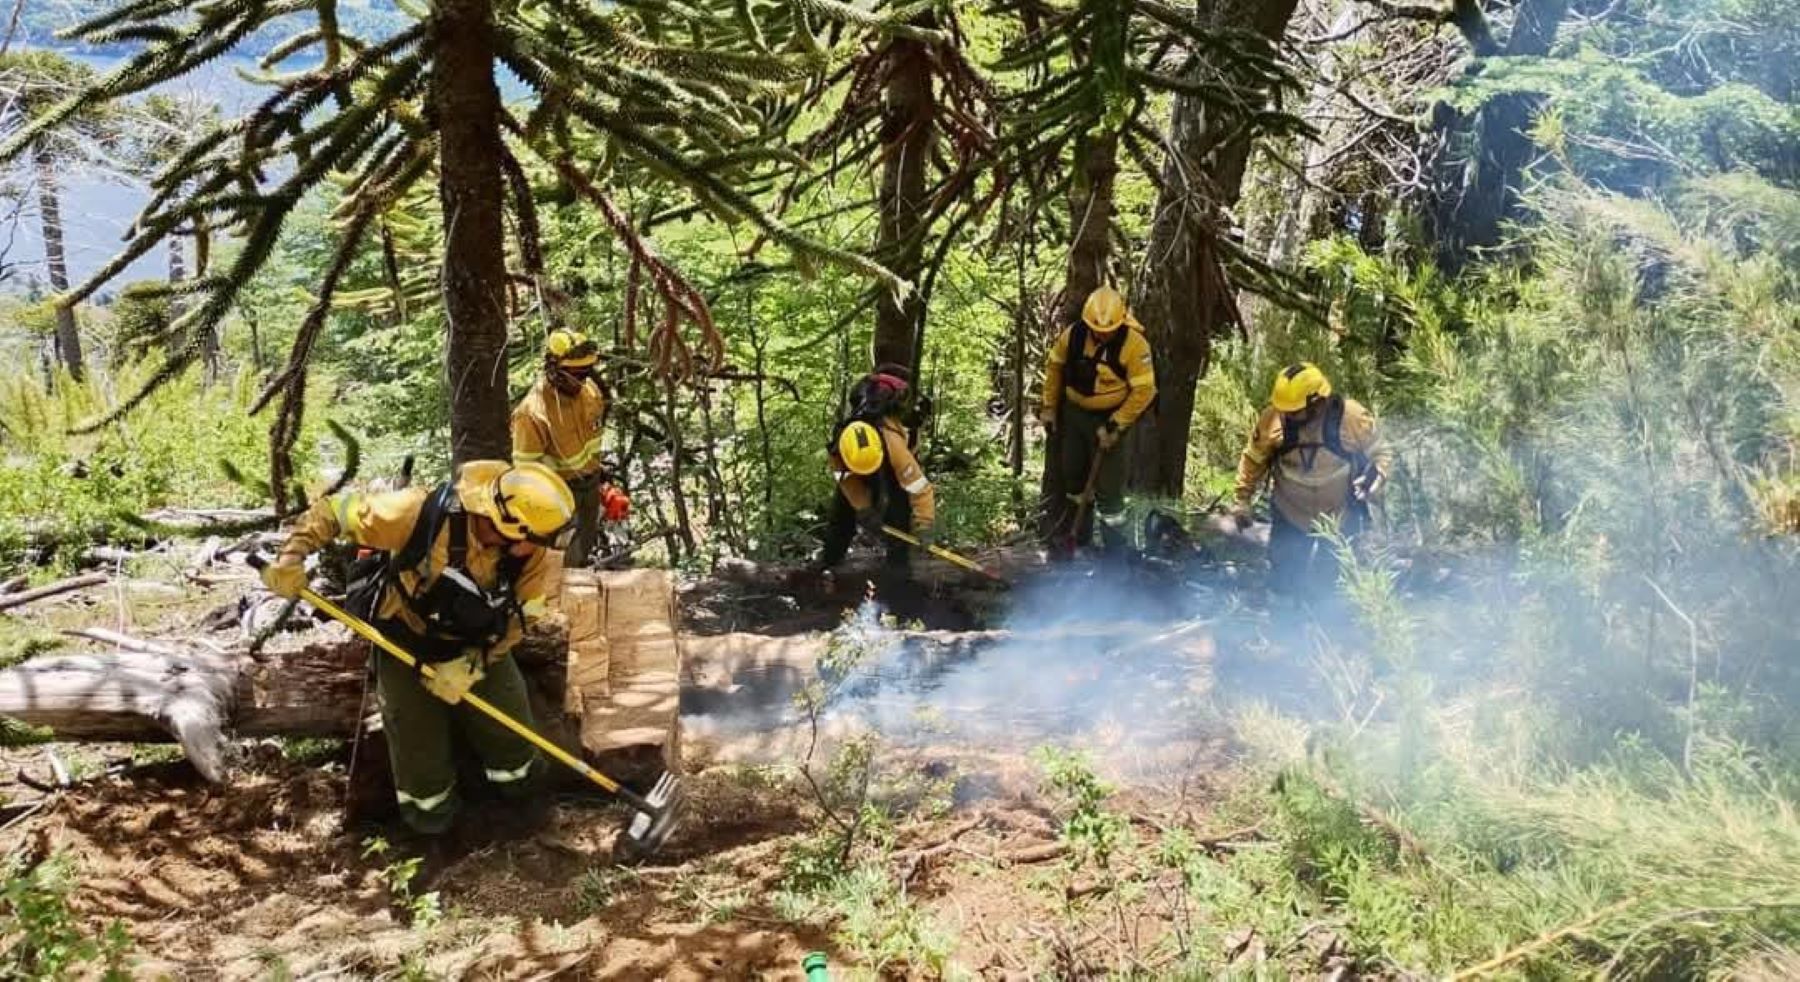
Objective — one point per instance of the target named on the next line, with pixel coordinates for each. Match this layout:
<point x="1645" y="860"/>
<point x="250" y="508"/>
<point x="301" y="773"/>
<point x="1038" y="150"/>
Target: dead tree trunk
<point x="1182" y="296"/>
<point x="192" y="698"/>
<point x="68" y="334"/>
<point x="465" y="104"/>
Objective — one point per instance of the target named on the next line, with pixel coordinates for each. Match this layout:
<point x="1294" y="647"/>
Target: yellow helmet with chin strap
<point x="526" y="502"/>
<point x="860" y="448"/>
<point x="1298" y="385"/>
<point x="571" y="349"/>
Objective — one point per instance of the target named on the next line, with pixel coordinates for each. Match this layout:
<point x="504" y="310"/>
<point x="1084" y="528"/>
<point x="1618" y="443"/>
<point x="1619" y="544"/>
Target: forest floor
<point x="972" y="873"/>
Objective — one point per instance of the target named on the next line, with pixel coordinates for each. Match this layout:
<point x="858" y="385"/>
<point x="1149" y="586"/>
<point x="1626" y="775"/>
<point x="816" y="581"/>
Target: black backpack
<point x="456" y="612"/>
<point x="1331" y="439"/>
<point x="1082" y="372"/>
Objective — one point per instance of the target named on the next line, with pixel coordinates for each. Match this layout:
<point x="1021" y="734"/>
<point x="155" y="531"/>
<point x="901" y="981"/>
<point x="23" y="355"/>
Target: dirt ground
<point x="262" y="878"/>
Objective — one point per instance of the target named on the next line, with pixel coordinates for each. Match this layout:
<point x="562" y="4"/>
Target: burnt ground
<point x="265" y="878"/>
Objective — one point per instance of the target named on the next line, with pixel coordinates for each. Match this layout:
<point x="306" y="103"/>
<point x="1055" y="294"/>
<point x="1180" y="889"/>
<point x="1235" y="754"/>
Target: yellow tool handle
<point x="942" y="553"/>
<point x="375" y="637"/>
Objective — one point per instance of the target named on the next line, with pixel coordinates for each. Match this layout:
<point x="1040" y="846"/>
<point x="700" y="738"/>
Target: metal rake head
<point x="647" y="830"/>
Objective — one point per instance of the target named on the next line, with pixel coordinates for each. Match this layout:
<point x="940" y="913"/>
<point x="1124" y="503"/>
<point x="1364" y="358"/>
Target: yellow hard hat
<point x="859" y="447"/>
<point x="571" y="349"/>
<point x="526" y="502"/>
<point x="1297" y="385"/>
<point x="1105" y="310"/>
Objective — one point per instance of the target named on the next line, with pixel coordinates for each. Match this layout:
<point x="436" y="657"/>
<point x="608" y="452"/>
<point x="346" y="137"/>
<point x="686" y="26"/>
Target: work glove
<point x="1047" y="416"/>
<point x="1368" y="487"/>
<point x="1109" y="434"/>
<point x="927" y="537"/>
<point x="1240" y="516"/>
<point x="286" y="576"/>
<point x="451" y="680"/>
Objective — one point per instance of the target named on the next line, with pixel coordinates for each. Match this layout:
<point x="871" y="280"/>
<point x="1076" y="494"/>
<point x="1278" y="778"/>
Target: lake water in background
<point x="97" y="209"/>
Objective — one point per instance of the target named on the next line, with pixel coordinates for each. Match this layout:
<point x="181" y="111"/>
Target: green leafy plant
<point x="44" y="939"/>
<point x="423" y="909"/>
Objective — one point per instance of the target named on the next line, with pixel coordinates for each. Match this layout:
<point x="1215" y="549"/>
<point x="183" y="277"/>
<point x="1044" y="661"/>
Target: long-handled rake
<point x="655" y="814"/>
<point x="946" y="555"/>
<point x="1084" y="502"/>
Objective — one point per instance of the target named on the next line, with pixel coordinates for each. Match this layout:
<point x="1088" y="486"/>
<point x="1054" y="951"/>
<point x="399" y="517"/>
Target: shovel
<point x="656" y="813"/>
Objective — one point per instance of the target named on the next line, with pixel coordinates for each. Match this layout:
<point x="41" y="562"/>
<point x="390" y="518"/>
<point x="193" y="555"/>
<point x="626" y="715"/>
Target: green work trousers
<point x="586" y="535"/>
<point x="421" y="747"/>
<point x="1080" y="433"/>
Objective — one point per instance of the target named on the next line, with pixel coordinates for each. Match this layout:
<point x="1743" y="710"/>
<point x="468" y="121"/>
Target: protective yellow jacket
<point x="384" y="520"/>
<point x="859" y="491"/>
<point x="1310" y="480"/>
<point x="1126" y="398"/>
<point x="561" y="432"/>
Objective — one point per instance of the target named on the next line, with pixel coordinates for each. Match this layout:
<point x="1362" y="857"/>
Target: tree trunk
<point x="465" y="104"/>
<point x="1090" y="255"/>
<point x="68" y="335"/>
<point x="209" y="344"/>
<point x="1090" y="220"/>
<point x="1182" y="298"/>
<point x="907" y="127"/>
<point x="1483" y="193"/>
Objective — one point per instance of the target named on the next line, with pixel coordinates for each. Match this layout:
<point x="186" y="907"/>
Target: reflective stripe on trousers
<point x="429" y="803"/>
<point x="519" y="773"/>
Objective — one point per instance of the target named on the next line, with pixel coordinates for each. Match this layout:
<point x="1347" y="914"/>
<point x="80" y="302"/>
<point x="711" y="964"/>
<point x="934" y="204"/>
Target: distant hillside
<point x="43" y="18"/>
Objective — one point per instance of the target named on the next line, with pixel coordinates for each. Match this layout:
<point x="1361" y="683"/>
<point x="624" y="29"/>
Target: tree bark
<point x="1091" y="208"/>
<point x="1090" y="221"/>
<point x="68" y="334"/>
<point x="1482" y="192"/>
<point x="908" y="115"/>
<point x="465" y="104"/>
<point x="1182" y="299"/>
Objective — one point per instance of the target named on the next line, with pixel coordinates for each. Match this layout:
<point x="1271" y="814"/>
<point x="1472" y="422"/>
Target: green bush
<point x="41" y="938"/>
<point x="59" y="492"/>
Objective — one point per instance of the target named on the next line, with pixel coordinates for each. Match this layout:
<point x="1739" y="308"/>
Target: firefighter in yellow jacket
<point x="1098" y="380"/>
<point x="879" y="482"/>
<point x="457" y="572"/>
<point x="1326" y="458"/>
<point x="558" y="424"/>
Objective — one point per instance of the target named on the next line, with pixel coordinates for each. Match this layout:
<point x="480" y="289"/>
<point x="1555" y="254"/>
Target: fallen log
<point x="14" y="585"/>
<point x="23" y="597"/>
<point x="192" y="697"/>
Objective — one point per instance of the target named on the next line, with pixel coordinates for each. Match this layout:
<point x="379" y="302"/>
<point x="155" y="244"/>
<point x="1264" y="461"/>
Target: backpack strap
<point x="1331" y="436"/>
<point x="1113" y="353"/>
<point x="425" y="527"/>
<point x="459" y="539"/>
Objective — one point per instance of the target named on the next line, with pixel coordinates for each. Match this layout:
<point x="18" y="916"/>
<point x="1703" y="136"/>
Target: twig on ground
<point x="25" y="812"/>
<point x="1034" y="854"/>
<point x="1540" y="942"/>
<point x="123" y="642"/>
<point x="24" y="597"/>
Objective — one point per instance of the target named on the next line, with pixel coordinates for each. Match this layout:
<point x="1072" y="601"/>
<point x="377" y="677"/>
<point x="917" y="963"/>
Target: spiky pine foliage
<point x="915" y="106"/>
<point x="659" y="88"/>
<point x="1093" y="68"/>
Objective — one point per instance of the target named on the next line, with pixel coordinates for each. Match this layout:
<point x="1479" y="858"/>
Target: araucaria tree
<point x="661" y="88"/>
<point x="916" y="106"/>
<point x="30" y="83"/>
